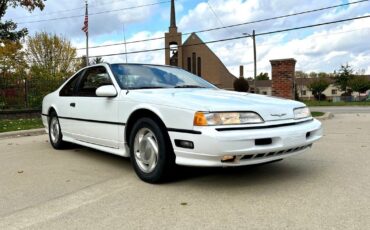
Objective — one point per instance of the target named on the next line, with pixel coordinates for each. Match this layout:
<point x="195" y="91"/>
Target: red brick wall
<point x="282" y="74"/>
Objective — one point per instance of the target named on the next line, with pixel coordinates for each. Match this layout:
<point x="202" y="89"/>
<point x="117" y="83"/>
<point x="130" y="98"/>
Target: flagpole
<point x="87" y="36"/>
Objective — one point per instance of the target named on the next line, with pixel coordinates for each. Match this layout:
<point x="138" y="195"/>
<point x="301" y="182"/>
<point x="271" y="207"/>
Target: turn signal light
<point x="228" y="158"/>
<point x="200" y="119"/>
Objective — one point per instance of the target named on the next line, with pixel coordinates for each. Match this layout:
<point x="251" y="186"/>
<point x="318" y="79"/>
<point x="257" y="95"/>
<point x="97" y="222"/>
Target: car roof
<point x="138" y="64"/>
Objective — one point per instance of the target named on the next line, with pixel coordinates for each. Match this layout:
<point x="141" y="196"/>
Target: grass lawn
<point x="7" y="125"/>
<point x="317" y="114"/>
<point x="341" y="103"/>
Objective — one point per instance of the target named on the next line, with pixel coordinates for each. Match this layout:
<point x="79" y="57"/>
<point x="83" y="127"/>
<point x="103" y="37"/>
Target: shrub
<point x="241" y="85"/>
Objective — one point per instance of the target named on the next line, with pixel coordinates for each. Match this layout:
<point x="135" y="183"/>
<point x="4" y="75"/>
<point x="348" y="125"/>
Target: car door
<point x="95" y="119"/>
<point x="64" y="109"/>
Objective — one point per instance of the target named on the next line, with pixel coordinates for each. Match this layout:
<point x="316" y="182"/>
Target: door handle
<point x="72" y="104"/>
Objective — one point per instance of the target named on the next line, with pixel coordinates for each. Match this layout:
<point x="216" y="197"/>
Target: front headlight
<point x="303" y="112"/>
<point x="226" y="118"/>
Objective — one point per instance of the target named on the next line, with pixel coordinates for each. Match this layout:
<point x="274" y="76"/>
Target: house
<point x="302" y="86"/>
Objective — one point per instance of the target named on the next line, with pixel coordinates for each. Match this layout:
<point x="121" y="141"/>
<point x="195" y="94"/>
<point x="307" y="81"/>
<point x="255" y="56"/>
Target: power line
<point x="234" y="25"/>
<point x="67" y="10"/>
<point x="96" y="13"/>
<point x="244" y="36"/>
<point x="214" y="13"/>
<point x="235" y="38"/>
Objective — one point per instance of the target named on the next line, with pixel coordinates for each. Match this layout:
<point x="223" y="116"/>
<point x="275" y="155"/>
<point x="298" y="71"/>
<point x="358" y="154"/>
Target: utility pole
<point x="255" y="57"/>
<point x="253" y="36"/>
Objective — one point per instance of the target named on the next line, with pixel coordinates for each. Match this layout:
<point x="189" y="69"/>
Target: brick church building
<point x="195" y="56"/>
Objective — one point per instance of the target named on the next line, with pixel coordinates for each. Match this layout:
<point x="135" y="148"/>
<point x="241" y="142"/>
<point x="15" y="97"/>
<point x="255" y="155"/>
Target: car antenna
<point x="124" y="41"/>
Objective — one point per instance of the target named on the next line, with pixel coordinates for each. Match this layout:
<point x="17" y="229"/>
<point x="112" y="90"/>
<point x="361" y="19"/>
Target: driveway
<point x="80" y="188"/>
<point x="342" y="109"/>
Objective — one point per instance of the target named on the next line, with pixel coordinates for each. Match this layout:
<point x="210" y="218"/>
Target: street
<point x="341" y="109"/>
<point x="80" y="188"/>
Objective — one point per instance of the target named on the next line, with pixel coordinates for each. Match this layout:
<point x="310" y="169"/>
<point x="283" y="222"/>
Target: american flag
<point x="85" y="28"/>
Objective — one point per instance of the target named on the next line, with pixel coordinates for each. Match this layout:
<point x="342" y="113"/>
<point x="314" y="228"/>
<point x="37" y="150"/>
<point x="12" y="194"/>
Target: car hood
<point x="213" y="100"/>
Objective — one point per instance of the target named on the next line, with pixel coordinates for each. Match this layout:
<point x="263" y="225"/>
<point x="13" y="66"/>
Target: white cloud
<point x="156" y="57"/>
<point x="323" y="50"/>
<point x="318" y="49"/>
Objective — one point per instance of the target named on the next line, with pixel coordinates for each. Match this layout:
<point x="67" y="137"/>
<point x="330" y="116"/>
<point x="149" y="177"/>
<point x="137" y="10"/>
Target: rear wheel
<point x="151" y="152"/>
<point x="55" y="133"/>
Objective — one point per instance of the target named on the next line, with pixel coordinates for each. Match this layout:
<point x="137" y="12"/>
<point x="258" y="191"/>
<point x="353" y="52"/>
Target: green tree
<point x="51" y="54"/>
<point x="359" y="84"/>
<point x="262" y="76"/>
<point x="322" y="74"/>
<point x="300" y="74"/>
<point x="318" y="85"/>
<point x="313" y="75"/>
<point x="8" y="29"/>
<point x="12" y="58"/>
<point x="52" y="59"/>
<point x="241" y="85"/>
<point x="343" y="77"/>
<point x="97" y="60"/>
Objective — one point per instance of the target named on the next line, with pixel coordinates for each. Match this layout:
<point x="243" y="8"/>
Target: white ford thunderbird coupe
<point x="161" y="116"/>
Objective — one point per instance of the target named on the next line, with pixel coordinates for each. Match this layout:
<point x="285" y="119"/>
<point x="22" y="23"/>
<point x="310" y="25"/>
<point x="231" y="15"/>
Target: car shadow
<point x="253" y="174"/>
<point x="275" y="172"/>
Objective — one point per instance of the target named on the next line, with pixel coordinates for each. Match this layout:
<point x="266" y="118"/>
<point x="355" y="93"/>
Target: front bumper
<point x="211" y="145"/>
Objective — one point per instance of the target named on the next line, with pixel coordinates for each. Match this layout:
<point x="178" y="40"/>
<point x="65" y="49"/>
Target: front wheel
<point x="55" y="133"/>
<point x="151" y="152"/>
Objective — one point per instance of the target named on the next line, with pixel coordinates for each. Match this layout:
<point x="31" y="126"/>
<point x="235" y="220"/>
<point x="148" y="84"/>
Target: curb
<point x="326" y="116"/>
<point x="23" y="133"/>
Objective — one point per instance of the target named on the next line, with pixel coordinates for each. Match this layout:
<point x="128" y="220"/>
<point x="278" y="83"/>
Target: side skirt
<point x="120" y="152"/>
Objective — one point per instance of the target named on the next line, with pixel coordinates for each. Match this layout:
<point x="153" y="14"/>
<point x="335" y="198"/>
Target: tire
<point x="151" y="152"/>
<point x="55" y="132"/>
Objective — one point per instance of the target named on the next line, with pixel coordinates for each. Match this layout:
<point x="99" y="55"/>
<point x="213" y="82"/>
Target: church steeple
<point x="173" y="15"/>
<point x="173" y="41"/>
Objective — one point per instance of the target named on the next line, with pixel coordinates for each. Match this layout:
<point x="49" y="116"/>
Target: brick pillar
<point x="282" y="75"/>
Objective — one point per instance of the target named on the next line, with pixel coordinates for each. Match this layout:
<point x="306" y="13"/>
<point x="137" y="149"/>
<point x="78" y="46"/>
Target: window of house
<point x="199" y="64"/>
<point x="264" y="92"/>
<point x="303" y="92"/>
<point x="93" y="78"/>
<point x="334" y="92"/>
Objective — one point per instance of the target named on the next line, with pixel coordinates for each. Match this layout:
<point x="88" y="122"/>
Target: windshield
<point x="146" y="77"/>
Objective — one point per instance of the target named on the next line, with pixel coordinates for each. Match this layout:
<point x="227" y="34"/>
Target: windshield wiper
<point x="189" y="86"/>
<point x="148" y="87"/>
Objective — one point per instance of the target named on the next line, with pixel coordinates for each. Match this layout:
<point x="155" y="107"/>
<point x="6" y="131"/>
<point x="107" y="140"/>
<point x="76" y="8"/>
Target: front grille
<point x="272" y="154"/>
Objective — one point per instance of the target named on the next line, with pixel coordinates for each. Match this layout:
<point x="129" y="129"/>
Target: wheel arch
<point x="50" y="110"/>
<point x="140" y="113"/>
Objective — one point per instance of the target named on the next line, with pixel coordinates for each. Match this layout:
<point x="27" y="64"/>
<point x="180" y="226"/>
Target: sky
<point x="319" y="49"/>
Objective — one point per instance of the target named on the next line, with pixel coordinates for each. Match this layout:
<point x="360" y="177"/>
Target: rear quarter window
<point x="69" y="88"/>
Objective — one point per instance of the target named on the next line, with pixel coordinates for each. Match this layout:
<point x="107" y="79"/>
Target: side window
<point x="68" y="89"/>
<point x="93" y="78"/>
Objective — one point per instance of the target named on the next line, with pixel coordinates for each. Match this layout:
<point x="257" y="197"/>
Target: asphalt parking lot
<point x="80" y="188"/>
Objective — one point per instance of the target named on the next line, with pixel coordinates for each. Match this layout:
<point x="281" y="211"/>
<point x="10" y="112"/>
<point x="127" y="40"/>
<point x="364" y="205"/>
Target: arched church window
<point x="189" y="64"/>
<point x="194" y="64"/>
<point x="199" y="64"/>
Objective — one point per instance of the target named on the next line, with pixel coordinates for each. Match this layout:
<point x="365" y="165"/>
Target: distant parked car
<point x="161" y="116"/>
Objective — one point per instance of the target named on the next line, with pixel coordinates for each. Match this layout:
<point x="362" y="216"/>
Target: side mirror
<point x="106" y="91"/>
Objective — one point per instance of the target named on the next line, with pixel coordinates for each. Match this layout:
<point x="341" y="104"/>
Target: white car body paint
<point x="99" y="122"/>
